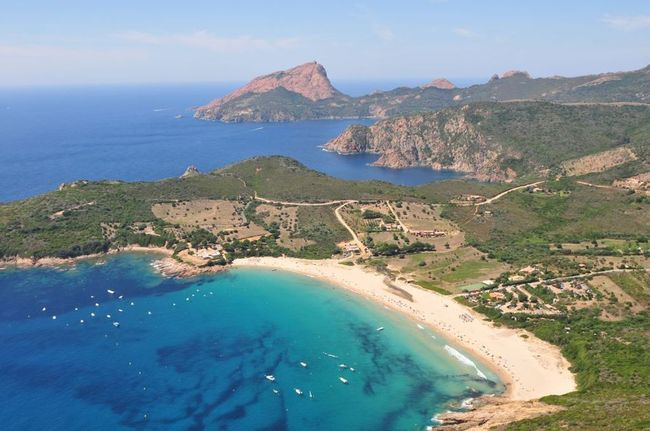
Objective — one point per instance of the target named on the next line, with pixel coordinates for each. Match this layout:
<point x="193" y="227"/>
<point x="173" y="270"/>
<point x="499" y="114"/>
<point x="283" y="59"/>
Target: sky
<point x="79" y="42"/>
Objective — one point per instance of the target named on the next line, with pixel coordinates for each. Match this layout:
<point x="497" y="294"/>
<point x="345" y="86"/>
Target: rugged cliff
<point x="497" y="141"/>
<point x="305" y="92"/>
<point x="279" y="96"/>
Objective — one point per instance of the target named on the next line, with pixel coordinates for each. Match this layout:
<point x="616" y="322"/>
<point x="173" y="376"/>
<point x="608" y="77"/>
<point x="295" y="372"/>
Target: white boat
<point x="381" y="328"/>
<point x="298" y="391"/>
<point x="310" y="395"/>
<point x="420" y="326"/>
<point x="110" y="291"/>
<point x="352" y="369"/>
<point x="343" y="380"/>
<point x="270" y="377"/>
<point x="275" y="391"/>
<point x="343" y="366"/>
<point x="330" y="355"/>
<point x="178" y="117"/>
<point x="116" y="324"/>
<point x="303" y="364"/>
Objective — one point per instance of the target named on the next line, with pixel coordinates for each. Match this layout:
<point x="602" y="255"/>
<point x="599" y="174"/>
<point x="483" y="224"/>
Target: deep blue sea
<point x="53" y="135"/>
<point x="193" y="354"/>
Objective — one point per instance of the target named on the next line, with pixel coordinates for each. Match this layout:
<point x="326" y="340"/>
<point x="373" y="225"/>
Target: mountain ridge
<point x="498" y="141"/>
<point x="305" y="93"/>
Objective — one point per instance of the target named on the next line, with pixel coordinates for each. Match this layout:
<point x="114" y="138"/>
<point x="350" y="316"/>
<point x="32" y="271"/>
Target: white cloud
<point x="627" y="23"/>
<point x="465" y="33"/>
<point x="209" y="41"/>
<point x="383" y="32"/>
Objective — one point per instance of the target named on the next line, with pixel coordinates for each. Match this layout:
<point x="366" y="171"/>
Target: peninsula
<point x="305" y="92"/>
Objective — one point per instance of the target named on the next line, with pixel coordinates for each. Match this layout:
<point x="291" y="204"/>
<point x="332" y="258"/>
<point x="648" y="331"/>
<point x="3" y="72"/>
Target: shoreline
<point x="528" y="367"/>
<point x="167" y="265"/>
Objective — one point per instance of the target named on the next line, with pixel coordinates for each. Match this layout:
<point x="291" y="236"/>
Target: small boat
<point x="120" y="297"/>
<point x="44" y="309"/>
<point x="343" y="366"/>
<point x="53" y="317"/>
<point x="420" y="326"/>
<point x="381" y="328"/>
<point x="298" y="391"/>
<point x="178" y="117"/>
<point x="343" y="380"/>
<point x="270" y="377"/>
<point x="116" y="324"/>
<point x="352" y="369"/>
<point x="275" y="391"/>
<point x="330" y="355"/>
<point x="92" y="314"/>
<point x="303" y="364"/>
<point x="310" y="395"/>
<point x="108" y="316"/>
<point x="110" y="291"/>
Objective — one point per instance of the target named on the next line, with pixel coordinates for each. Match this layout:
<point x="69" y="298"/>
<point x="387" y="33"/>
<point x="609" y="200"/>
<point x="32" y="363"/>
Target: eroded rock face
<point x="441" y="83"/>
<point x="446" y="139"/>
<point x="308" y="80"/>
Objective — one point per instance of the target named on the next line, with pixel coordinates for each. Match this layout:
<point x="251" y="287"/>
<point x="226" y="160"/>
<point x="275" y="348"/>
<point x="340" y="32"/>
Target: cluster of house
<point x="429" y="233"/>
<point x="210" y="253"/>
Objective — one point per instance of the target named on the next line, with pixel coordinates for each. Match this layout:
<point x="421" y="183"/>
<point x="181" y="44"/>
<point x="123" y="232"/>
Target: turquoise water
<point x="192" y="354"/>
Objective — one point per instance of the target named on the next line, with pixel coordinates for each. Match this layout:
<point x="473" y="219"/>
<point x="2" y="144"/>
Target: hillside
<point x="502" y="141"/>
<point x="305" y="92"/>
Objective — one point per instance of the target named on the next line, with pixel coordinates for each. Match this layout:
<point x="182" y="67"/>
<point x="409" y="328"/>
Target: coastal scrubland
<point x="564" y="259"/>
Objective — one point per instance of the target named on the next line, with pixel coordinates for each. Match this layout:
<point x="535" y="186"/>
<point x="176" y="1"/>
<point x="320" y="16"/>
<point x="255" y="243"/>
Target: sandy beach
<point x="529" y="367"/>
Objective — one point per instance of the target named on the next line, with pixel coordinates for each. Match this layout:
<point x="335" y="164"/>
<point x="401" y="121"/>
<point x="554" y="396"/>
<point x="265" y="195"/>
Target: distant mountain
<point x="501" y="141"/>
<point x="305" y="92"/>
<point x="263" y="98"/>
<point x="440" y="83"/>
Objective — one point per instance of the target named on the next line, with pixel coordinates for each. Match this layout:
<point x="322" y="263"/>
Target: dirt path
<point x="301" y="204"/>
<point x="598" y="186"/>
<point x="502" y="194"/>
<point x="362" y="248"/>
<point x="404" y="228"/>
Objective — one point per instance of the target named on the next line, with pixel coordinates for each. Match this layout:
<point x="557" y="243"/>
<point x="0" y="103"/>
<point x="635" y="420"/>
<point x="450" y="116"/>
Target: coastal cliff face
<point x="446" y="139"/>
<point x="497" y="141"/>
<point x="305" y="92"/>
<point x="299" y="85"/>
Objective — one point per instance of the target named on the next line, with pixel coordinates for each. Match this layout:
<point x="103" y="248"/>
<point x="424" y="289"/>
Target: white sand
<point x="529" y="367"/>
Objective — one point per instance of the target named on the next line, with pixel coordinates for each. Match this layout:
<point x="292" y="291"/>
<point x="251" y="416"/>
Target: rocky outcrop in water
<point x="308" y="81"/>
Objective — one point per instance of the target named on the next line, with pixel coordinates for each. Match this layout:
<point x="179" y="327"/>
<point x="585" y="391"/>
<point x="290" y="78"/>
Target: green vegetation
<point x="525" y="226"/>
<point x="280" y="104"/>
<point x="432" y="286"/>
<point x="613" y="385"/>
